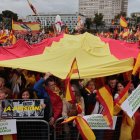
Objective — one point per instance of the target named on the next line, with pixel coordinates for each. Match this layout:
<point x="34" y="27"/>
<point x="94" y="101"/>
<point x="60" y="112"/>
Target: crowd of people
<point x="23" y="84"/>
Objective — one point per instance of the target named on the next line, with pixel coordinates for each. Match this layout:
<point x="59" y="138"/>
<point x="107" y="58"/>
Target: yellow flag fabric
<point x="137" y="65"/>
<point x="106" y="99"/>
<point x="127" y="128"/>
<point x="21" y="26"/>
<point x="123" y="22"/>
<point x="93" y="58"/>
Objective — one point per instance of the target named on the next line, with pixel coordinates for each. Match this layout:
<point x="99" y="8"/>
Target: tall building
<point x="109" y="8"/>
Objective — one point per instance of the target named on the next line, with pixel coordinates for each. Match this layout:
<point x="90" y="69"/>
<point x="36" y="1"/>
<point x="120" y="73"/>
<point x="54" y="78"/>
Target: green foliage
<point x="88" y="23"/>
<point x="10" y="15"/>
<point x="6" y="18"/>
<point x="98" y="19"/>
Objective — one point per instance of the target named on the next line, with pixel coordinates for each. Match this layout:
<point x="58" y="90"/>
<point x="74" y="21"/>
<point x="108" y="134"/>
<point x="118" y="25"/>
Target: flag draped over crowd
<point x="66" y="49"/>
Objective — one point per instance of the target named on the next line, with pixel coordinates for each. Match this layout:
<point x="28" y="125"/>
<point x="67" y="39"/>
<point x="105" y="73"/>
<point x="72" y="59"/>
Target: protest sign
<point x="22" y="108"/>
<point x="132" y="103"/>
<point x="96" y="121"/>
<point x="8" y="127"/>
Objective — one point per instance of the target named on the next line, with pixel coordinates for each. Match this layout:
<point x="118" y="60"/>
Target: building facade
<point x="109" y="8"/>
<point x="137" y="14"/>
<point x="47" y="20"/>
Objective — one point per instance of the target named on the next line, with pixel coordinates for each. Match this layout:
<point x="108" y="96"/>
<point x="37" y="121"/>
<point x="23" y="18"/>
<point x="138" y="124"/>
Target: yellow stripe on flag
<point x="123" y="22"/>
<point x="106" y="100"/>
<point x="34" y="26"/>
<point x="69" y="119"/>
<point x="84" y="129"/>
<point x="137" y="65"/>
<point x="7" y="137"/>
<point x="127" y="128"/>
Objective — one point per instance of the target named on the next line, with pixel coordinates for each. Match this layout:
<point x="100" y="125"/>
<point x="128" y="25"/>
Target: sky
<point x="52" y="6"/>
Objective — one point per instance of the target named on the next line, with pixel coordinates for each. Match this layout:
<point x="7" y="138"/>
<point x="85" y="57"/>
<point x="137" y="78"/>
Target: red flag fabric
<point x="127" y="49"/>
<point x="22" y="49"/>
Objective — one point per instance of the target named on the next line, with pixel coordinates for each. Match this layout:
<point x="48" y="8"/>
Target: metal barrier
<point x="33" y="130"/>
<point x="68" y="132"/>
<point x="65" y="131"/>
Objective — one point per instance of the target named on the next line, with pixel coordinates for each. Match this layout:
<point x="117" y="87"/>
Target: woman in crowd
<point x="27" y="94"/>
<point x="71" y="109"/>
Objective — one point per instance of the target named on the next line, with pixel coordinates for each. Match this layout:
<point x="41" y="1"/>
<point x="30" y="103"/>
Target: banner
<point x="97" y="122"/>
<point x="132" y="103"/>
<point x="26" y="26"/>
<point x="22" y="108"/>
<point x="8" y="127"/>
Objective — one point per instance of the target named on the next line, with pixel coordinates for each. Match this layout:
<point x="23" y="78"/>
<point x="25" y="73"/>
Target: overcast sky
<point x="48" y="6"/>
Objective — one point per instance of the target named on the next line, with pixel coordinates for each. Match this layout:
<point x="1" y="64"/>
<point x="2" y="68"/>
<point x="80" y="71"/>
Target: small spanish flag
<point x="32" y="7"/>
<point x="83" y="127"/>
<point x="136" y="66"/>
<point x="12" y="37"/>
<point x="120" y="99"/>
<point x="123" y="22"/>
<point x="106" y="99"/>
<point x="69" y="94"/>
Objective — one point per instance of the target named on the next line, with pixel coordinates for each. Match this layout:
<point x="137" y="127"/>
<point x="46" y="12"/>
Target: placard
<point x="8" y="127"/>
<point x="22" y="108"/>
<point x="96" y="121"/>
<point x="132" y="103"/>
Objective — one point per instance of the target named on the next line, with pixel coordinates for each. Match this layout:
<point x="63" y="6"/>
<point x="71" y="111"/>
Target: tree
<point x="10" y="15"/>
<point x="88" y="23"/>
<point x="98" y="20"/>
<point x="6" y="18"/>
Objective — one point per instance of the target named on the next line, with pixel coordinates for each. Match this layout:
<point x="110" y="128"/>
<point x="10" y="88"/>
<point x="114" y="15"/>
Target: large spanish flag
<point x="106" y="99"/>
<point x="26" y="26"/>
<point x="137" y="65"/>
<point x="123" y="22"/>
<point x="69" y="94"/>
<point x="120" y="99"/>
<point x="83" y="127"/>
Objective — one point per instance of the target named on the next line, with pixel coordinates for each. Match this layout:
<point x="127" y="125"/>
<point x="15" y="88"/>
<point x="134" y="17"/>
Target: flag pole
<point x="78" y="69"/>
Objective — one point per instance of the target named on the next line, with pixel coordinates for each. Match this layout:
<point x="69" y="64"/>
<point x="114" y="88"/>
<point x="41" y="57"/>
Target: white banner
<point x="96" y="121"/>
<point x="132" y="103"/>
<point x="8" y="127"/>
